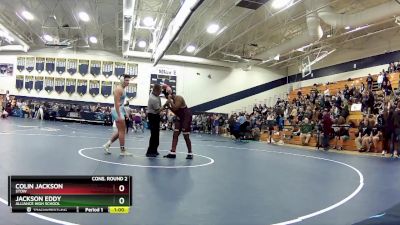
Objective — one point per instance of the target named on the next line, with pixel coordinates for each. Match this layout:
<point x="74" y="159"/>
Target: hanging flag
<point x="72" y="65"/>
<point x="59" y="85"/>
<point x="106" y="87"/>
<point x="95" y="67"/>
<point x="94" y="87"/>
<point x="50" y="65"/>
<point x="60" y="65"/>
<point x="132" y="69"/>
<point x="131" y="90"/>
<point x="29" y="83"/>
<point x="20" y="64"/>
<point x="119" y="68"/>
<point x="107" y="68"/>
<point x="82" y="86"/>
<point x="40" y="64"/>
<point x="30" y="64"/>
<point x="70" y="86"/>
<point x="83" y="67"/>
<point x="19" y="83"/>
<point x="39" y="83"/>
<point x="49" y="84"/>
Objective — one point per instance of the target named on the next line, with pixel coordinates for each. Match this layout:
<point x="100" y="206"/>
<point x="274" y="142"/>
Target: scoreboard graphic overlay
<point x="70" y="194"/>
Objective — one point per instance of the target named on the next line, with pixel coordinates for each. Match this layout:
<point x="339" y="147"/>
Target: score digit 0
<point x="121" y="200"/>
<point x="121" y="188"/>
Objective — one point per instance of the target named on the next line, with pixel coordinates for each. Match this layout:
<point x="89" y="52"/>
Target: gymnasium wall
<point x="197" y="83"/>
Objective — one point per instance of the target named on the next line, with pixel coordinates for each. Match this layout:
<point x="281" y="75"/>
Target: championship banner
<point x="119" y="68"/>
<point x="19" y="83"/>
<point x="81" y="87"/>
<point x="83" y="67"/>
<point x="132" y="69"/>
<point x="60" y="65"/>
<point x="72" y="66"/>
<point x="49" y="84"/>
<point x="94" y="87"/>
<point x="70" y="85"/>
<point x="107" y="68"/>
<point x="106" y="87"/>
<point x="59" y="85"/>
<point x="163" y="76"/>
<point x="39" y="80"/>
<point x="20" y="64"/>
<point x="40" y="64"/>
<point x="131" y="90"/>
<point x="29" y="82"/>
<point x="30" y="64"/>
<point x="50" y="65"/>
<point x="95" y="66"/>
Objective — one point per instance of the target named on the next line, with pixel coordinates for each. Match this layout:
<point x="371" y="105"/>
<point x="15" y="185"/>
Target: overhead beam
<point x="174" y="28"/>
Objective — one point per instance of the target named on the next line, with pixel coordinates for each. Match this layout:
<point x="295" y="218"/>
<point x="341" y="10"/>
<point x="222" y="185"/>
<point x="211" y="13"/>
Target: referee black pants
<point x="154" y="125"/>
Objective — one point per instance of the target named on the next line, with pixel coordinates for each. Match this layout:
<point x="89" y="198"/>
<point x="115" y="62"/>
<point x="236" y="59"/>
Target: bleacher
<point x="355" y="117"/>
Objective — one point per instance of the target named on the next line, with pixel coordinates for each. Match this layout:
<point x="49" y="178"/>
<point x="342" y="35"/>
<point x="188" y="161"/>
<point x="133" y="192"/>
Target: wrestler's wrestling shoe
<point x="171" y="155"/>
<point x="189" y="156"/>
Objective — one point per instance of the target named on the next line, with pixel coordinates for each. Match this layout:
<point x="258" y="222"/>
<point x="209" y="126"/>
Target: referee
<point x="153" y="113"/>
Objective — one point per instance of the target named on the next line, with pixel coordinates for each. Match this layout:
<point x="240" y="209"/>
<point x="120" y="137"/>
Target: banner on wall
<point x="131" y="90"/>
<point x="20" y="64"/>
<point x="132" y="69"/>
<point x="162" y="75"/>
<point x="70" y="85"/>
<point x="49" y="84"/>
<point x="61" y="65"/>
<point x="40" y="64"/>
<point x="107" y="68"/>
<point x="119" y="68"/>
<point x="59" y="85"/>
<point x="50" y="65"/>
<point x="29" y="83"/>
<point x="106" y="88"/>
<point x="95" y="67"/>
<point x="94" y="87"/>
<point x="81" y="87"/>
<point x="19" y="83"/>
<point x="83" y="67"/>
<point x="72" y="66"/>
<point x="30" y="64"/>
<point x="39" y="80"/>
<point x="6" y="69"/>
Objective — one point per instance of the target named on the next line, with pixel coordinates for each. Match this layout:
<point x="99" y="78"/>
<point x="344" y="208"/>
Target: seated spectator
<point x="363" y="140"/>
<point x="305" y="131"/>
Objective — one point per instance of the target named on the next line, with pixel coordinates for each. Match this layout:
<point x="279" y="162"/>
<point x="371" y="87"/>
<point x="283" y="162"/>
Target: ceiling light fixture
<point x="148" y="21"/>
<point x="213" y="28"/>
<point x="347" y="27"/>
<point x="48" y="38"/>
<point x="142" y="44"/>
<point x="27" y="15"/>
<point x="329" y="35"/>
<point x="93" y="39"/>
<point x="84" y="16"/>
<point x="190" y="48"/>
<point x="279" y="4"/>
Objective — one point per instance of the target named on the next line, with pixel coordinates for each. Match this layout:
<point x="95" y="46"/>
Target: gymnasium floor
<point x="226" y="183"/>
